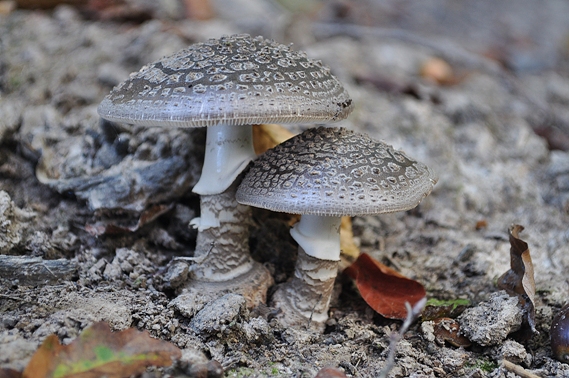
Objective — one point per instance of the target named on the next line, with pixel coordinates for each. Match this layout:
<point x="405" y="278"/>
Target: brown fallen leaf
<point x="519" y="280"/>
<point x="99" y="352"/>
<point x="447" y="330"/>
<point x="350" y="250"/>
<point x="384" y="289"/>
<point x="199" y="9"/>
<point x="7" y="7"/>
<point x="268" y="135"/>
<point x="481" y="224"/>
<point x="438" y="71"/>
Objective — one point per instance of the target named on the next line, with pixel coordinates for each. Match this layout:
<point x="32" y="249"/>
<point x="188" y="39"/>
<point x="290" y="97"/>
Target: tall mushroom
<point x="227" y="84"/>
<point x="324" y="174"/>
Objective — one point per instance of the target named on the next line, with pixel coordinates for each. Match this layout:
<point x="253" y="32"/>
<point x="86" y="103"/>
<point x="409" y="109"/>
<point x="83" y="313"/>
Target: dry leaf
<point x="437" y="71"/>
<point x="350" y="250"/>
<point x="7" y="7"/>
<point x="99" y="352"/>
<point x="447" y="330"/>
<point x="519" y="280"/>
<point x="199" y="9"/>
<point x="481" y="224"/>
<point x="268" y="135"/>
<point x="384" y="289"/>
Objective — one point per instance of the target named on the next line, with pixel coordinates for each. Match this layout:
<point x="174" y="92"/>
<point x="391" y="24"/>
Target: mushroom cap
<point x="236" y="80"/>
<point x="335" y="172"/>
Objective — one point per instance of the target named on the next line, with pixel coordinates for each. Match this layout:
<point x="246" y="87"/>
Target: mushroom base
<point x="222" y="261"/>
<point x="252" y="285"/>
<point x="304" y="300"/>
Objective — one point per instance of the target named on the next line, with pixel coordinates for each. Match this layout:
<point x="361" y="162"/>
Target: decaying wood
<point x="28" y="270"/>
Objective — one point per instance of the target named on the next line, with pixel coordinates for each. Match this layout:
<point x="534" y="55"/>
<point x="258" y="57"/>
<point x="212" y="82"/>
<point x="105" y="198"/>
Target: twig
<point x="12" y="298"/>
<point x="49" y="270"/>
<point x="395" y="338"/>
<point x="517" y="369"/>
<point x="196" y="260"/>
<point x="29" y="270"/>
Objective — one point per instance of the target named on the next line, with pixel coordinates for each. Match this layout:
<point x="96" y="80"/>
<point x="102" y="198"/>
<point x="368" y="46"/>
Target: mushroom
<point x="227" y="84"/>
<point x="324" y="174"/>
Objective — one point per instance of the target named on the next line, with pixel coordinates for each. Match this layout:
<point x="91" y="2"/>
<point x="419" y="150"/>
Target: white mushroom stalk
<point x="223" y="221"/>
<point x="228" y="150"/>
<point x="310" y="289"/>
<point x="319" y="236"/>
<point x="222" y="246"/>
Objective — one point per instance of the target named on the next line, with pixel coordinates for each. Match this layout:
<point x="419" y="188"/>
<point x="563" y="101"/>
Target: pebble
<point x="219" y="314"/>
<point x="491" y="321"/>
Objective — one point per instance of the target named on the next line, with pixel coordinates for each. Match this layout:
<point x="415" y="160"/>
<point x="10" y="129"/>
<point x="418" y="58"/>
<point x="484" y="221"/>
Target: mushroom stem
<point x="222" y="249"/>
<point x="305" y="299"/>
<point x="228" y="150"/>
<point x="319" y="236"/>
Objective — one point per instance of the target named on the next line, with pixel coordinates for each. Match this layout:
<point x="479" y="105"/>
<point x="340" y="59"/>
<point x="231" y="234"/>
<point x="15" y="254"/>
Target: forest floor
<point x="478" y="93"/>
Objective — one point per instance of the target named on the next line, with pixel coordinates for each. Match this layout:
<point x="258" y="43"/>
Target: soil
<point x="104" y="210"/>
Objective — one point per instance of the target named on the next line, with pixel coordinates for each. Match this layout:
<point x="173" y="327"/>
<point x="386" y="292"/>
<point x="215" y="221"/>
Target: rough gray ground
<point x="477" y="133"/>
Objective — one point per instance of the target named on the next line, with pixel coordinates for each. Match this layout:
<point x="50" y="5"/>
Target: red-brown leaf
<point x="384" y="289"/>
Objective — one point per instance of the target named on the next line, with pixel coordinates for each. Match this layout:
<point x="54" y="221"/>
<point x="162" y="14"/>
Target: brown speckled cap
<point x="335" y="172"/>
<point x="236" y="80"/>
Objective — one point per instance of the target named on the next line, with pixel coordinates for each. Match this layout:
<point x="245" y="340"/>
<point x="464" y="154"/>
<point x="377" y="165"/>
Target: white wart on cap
<point x="335" y="172"/>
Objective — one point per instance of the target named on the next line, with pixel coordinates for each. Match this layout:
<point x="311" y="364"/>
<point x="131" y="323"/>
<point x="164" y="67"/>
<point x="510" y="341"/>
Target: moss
<point x="437" y="308"/>
<point x="484" y="365"/>
<point x="452" y="302"/>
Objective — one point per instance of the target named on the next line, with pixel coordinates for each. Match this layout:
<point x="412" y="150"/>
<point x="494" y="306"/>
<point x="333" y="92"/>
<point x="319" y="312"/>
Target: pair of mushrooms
<point x="229" y="84"/>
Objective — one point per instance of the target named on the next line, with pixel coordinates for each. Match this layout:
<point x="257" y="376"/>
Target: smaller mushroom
<point x="227" y="85"/>
<point x="324" y="174"/>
